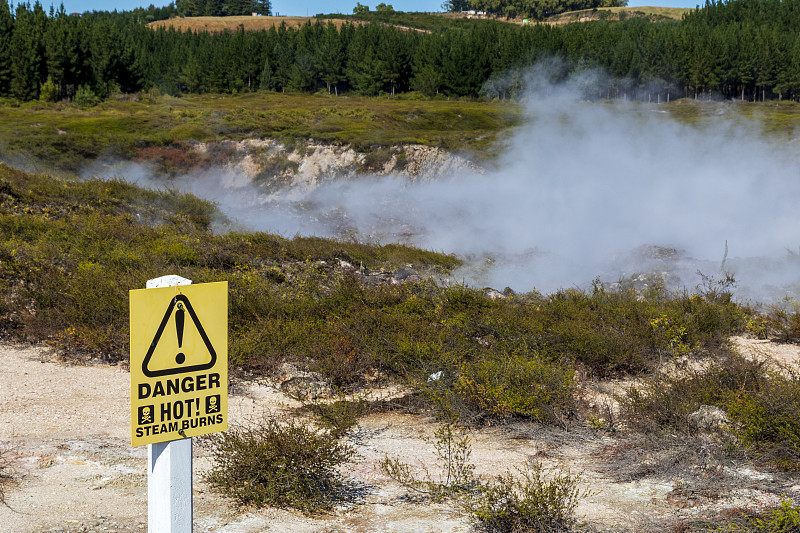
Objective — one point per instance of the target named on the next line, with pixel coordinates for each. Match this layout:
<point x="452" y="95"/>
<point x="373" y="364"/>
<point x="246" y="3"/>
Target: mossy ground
<point x="61" y="138"/>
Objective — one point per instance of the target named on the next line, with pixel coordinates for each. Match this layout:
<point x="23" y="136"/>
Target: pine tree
<point x="331" y="57"/>
<point x="28" y="61"/>
<point x="6" y="33"/>
<point x="427" y="66"/>
<point x="263" y="7"/>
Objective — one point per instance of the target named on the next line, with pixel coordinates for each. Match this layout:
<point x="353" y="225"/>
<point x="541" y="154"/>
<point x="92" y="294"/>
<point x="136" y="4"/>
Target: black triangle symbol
<point x="178" y="370"/>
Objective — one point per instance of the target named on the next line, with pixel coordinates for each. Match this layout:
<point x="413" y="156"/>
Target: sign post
<point x="179" y="387"/>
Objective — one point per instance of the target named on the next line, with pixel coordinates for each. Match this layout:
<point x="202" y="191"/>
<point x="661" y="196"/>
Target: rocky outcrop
<point x="272" y="164"/>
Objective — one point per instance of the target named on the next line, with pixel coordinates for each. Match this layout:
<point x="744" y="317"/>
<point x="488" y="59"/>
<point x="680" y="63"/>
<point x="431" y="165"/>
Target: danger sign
<point x="179" y="362"/>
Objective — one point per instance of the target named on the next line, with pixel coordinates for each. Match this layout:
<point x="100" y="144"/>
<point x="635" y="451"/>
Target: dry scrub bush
<point x="279" y="462"/>
<point x="340" y="415"/>
<point x="783" y="325"/>
<point x="531" y="500"/>
<point x="763" y="406"/>
<point x="455" y="476"/>
<point x="784" y="518"/>
<point x="6" y="476"/>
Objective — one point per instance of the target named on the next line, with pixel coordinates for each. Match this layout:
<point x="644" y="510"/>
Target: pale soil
<point x="65" y="430"/>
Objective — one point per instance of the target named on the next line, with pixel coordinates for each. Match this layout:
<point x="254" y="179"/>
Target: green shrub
<point x="340" y="357"/>
<point x="762" y="404"/>
<point x="282" y="463"/>
<point x="339" y="416"/>
<point x="84" y="97"/>
<point x="48" y="92"/>
<point x="784" y="519"/>
<point x="625" y="331"/>
<point x="514" y="385"/>
<point x="767" y="418"/>
<point x="783" y="325"/>
<point x="376" y="158"/>
<point x="533" y="502"/>
<point x="664" y="402"/>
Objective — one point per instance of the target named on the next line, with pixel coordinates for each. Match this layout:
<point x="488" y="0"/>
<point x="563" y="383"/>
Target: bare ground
<point x="66" y="431"/>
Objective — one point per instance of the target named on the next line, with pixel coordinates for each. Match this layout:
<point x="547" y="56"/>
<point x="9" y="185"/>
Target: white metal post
<point x="169" y="469"/>
<point x="169" y="486"/>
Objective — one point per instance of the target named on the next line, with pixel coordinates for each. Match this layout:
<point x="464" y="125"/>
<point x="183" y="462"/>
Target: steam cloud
<point x="584" y="190"/>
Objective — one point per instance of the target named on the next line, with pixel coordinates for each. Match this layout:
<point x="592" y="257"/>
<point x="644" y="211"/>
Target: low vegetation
<point x="763" y="406"/>
<point x="427" y="22"/>
<point x="70" y="251"/>
<point x="784" y="518"/>
<point x="531" y="499"/>
<point x="455" y="474"/>
<point x="60" y="137"/>
<point x="279" y="462"/>
<point x="6" y="476"/>
<point x="339" y="416"/>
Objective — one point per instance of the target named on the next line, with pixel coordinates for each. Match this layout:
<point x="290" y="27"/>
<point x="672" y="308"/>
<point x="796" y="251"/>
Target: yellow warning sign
<point x="179" y="362"/>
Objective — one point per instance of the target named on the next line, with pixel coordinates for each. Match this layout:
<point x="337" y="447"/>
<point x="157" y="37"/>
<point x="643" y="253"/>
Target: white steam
<point x="584" y="190"/>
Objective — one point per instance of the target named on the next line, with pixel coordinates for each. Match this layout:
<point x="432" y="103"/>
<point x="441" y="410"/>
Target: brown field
<point x="250" y="23"/>
<point x="231" y="24"/>
<point x="587" y="15"/>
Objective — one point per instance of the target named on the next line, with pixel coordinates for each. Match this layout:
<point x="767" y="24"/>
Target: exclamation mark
<point x="180" y="358"/>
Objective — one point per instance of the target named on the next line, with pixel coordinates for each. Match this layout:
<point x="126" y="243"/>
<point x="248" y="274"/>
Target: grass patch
<point x="619" y="13"/>
<point x="281" y="463"/>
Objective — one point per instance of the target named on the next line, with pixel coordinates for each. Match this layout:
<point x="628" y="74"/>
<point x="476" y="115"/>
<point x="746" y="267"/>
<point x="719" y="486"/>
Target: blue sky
<point x="310" y="7"/>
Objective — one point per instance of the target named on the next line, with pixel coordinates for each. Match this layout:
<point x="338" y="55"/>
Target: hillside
<point x="428" y="22"/>
<point x="619" y="13"/>
<point x="423" y="22"/>
<point x="231" y="24"/>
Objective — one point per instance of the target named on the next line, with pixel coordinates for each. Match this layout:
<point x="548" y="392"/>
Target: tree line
<point x="222" y="8"/>
<point x="746" y="49"/>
